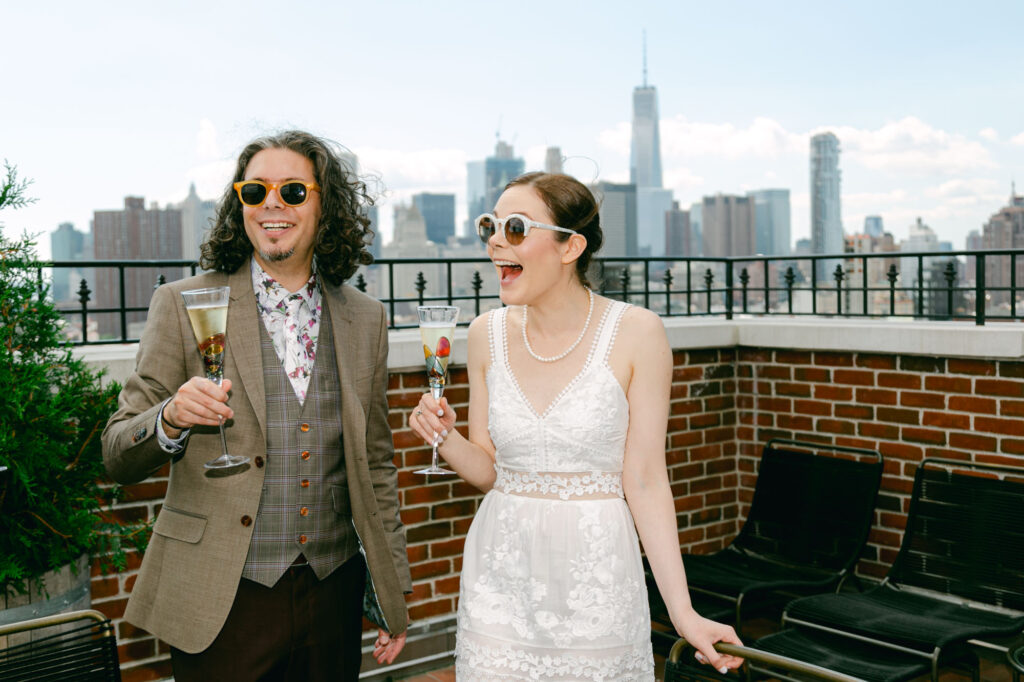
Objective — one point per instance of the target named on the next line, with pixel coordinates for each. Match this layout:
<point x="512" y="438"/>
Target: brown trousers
<point x="300" y="629"/>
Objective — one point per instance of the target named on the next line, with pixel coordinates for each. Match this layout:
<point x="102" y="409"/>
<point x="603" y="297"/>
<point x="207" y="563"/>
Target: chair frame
<point x="888" y="583"/>
<point x="106" y="631"/>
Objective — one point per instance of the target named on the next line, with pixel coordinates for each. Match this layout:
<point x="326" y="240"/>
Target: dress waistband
<point x="562" y="485"/>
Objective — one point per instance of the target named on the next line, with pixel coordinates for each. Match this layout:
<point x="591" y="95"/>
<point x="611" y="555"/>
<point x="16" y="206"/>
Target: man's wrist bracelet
<point x="169" y="424"/>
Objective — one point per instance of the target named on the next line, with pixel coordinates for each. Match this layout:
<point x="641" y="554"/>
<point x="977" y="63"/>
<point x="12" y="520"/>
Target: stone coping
<point x="995" y="341"/>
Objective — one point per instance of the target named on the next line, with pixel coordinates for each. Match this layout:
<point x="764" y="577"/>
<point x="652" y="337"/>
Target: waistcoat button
<point x="304" y="511"/>
<point x="304" y="427"/>
<point x="305" y="483"/>
<point x="305" y="454"/>
<point x="302" y="539"/>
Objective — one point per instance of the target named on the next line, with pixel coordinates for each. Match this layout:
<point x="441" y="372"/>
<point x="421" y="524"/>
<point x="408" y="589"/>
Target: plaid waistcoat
<point x="305" y="505"/>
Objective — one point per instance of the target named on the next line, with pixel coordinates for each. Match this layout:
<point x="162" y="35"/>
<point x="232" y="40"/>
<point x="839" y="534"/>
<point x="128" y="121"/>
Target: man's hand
<point x="197" y="401"/>
<point x="387" y="647"/>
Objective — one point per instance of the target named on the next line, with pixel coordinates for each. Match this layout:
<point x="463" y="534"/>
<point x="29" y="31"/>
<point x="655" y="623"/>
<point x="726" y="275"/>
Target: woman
<point x="569" y="400"/>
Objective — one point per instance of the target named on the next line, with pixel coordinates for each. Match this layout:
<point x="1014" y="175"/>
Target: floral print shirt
<point x="293" y="322"/>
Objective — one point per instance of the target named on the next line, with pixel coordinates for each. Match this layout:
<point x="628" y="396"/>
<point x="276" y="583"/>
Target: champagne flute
<point x="208" y="312"/>
<point x="437" y="329"/>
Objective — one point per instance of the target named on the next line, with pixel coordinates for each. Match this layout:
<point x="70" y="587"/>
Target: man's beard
<point x="277" y="256"/>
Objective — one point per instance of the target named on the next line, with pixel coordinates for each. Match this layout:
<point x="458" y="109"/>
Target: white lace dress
<point x="552" y="583"/>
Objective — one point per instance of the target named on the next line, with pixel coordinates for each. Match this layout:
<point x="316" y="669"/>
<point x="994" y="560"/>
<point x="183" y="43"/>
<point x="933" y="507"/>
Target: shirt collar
<point x="272" y="295"/>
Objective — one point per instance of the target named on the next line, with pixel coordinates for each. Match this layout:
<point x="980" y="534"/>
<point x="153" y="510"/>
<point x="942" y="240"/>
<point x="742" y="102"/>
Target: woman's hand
<point x="432" y="419"/>
<point x="702" y="634"/>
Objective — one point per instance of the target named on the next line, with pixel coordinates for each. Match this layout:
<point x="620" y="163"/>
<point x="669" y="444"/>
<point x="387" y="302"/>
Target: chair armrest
<point x="789" y="664"/>
<point x="1015" y="657"/>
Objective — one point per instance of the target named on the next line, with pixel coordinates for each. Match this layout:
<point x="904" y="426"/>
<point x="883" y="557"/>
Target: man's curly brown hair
<point x="344" y="229"/>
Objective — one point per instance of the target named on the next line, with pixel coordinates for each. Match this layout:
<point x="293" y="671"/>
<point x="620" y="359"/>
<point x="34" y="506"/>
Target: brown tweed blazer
<point x="193" y="565"/>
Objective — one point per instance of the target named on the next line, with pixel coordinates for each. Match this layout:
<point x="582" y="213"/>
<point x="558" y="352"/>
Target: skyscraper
<point x="553" y="160"/>
<point x="826" y="219"/>
<point x="377" y="240"/>
<point x="873" y="226"/>
<point x="67" y="243"/>
<point x="771" y="221"/>
<point x="645" y="150"/>
<point x="476" y="191"/>
<point x="486" y="180"/>
<point x="728" y="224"/>
<point x="1004" y="230"/>
<point x="196" y="220"/>
<point x="499" y="169"/>
<point x="678" y="235"/>
<point x="920" y="237"/>
<point x="134" y="233"/>
<point x="697" y="227"/>
<point x="618" y="218"/>
<point x="652" y="201"/>
<point x="438" y="211"/>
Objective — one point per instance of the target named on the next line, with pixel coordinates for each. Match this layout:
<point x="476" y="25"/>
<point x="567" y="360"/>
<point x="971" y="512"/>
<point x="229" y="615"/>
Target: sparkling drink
<point x="437" y="350"/>
<point x="208" y="324"/>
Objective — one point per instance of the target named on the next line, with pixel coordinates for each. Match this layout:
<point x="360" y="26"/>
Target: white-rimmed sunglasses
<point x="515" y="227"/>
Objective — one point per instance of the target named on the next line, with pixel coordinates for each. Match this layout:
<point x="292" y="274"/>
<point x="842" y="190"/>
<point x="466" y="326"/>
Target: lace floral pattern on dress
<point x="476" y="661"/>
<point x="564" y="486"/>
<point x="582" y="590"/>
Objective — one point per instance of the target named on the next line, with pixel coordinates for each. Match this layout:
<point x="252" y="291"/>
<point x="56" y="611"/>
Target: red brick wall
<point x="726" y="403"/>
<point x="907" y="407"/>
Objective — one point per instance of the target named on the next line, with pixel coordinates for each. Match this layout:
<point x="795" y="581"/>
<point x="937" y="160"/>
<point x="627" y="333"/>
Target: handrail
<point x="860" y="285"/>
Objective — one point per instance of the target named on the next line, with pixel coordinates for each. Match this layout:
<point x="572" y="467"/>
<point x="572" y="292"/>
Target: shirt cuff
<point x="168" y="444"/>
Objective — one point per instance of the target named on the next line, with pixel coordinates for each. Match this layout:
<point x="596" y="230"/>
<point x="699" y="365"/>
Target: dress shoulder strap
<point x="496" y="334"/>
<point x="609" y="328"/>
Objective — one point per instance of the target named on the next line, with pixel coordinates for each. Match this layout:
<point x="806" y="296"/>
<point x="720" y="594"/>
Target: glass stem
<point x="223" y="440"/>
<point x="436" y="390"/>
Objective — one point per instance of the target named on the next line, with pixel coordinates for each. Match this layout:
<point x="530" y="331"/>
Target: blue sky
<point x="102" y="100"/>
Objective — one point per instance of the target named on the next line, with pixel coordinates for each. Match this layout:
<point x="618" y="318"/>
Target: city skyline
<point x="922" y="100"/>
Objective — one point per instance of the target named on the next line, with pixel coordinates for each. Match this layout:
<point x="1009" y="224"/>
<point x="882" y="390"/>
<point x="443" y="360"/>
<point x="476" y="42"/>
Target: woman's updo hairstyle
<point x="572" y="206"/>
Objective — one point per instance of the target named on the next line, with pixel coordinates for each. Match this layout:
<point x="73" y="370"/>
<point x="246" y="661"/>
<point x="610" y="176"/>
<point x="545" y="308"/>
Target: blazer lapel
<point x="341" y="324"/>
<point x="244" y="342"/>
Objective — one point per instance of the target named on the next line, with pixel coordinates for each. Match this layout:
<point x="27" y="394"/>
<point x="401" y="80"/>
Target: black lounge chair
<point x="958" y="577"/>
<point x="82" y="648"/>
<point x="811" y="512"/>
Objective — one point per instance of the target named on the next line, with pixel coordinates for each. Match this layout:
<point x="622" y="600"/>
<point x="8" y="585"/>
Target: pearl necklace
<point x="586" y="325"/>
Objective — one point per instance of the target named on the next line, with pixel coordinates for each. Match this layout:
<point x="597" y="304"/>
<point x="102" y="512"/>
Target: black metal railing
<point x="976" y="286"/>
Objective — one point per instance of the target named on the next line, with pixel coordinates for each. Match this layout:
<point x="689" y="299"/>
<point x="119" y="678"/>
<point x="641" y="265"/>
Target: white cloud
<point x="682" y="180"/>
<point x="764" y="137"/>
<point x="855" y="201"/>
<point x="1018" y="139"/>
<point x="437" y="170"/>
<point x="964" y="187"/>
<point x="989" y="134"/>
<point x="912" y="146"/>
<point x="211" y="177"/>
<point x="617" y="139"/>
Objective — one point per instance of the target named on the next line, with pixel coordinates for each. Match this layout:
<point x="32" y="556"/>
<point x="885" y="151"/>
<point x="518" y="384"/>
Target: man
<point x="258" y="572"/>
